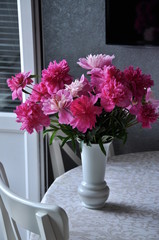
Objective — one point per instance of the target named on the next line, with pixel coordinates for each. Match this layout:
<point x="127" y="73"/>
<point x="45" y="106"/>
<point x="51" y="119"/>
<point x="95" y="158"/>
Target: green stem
<point x="132" y="124"/>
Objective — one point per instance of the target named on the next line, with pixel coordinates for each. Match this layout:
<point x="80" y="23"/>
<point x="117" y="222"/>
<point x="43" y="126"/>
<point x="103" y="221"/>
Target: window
<point x="9" y="51"/>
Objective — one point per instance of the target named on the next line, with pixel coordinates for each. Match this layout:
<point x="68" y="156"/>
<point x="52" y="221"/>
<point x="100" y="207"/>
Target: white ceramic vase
<point x="93" y="190"/>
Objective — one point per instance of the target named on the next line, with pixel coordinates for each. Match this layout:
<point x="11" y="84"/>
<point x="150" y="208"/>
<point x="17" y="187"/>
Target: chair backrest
<point x="5" y="222"/>
<point x="57" y="160"/>
<point x="56" y="156"/>
<point x="3" y="174"/>
<point x="48" y="221"/>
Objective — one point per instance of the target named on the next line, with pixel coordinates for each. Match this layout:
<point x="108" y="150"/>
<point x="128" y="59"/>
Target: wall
<point x="76" y="28"/>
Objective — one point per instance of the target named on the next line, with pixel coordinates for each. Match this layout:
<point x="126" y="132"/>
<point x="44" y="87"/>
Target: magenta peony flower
<point x="59" y="103"/>
<point x="138" y="82"/>
<point x="96" y="109"/>
<point x="84" y="113"/>
<point x="147" y="115"/>
<point x="100" y="77"/>
<point x="39" y="92"/>
<point x="79" y="87"/>
<point x="31" y="116"/>
<point x="134" y="108"/>
<point x="56" y="76"/>
<point x="115" y="94"/>
<point x="17" y="83"/>
<point x="95" y="61"/>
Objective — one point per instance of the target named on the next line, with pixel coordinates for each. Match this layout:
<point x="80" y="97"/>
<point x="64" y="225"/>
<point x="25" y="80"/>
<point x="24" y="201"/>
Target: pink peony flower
<point x="17" y="83"/>
<point x="59" y="103"/>
<point x="31" y="116"/>
<point x="95" y="61"/>
<point x="39" y="92"/>
<point x="115" y="94"/>
<point x="108" y="96"/>
<point x="56" y="76"/>
<point x="147" y="115"/>
<point x="84" y="113"/>
<point x="99" y="77"/>
<point x="79" y="87"/>
<point x="138" y="82"/>
<point x="151" y="99"/>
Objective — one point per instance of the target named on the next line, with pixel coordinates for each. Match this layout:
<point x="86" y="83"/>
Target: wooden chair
<point x="48" y="221"/>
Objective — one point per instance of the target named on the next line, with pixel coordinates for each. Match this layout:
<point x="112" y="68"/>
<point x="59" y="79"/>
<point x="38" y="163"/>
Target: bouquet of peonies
<point x="92" y="109"/>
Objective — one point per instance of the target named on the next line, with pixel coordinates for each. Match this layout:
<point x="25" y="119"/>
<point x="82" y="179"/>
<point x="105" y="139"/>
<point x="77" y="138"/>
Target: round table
<point x="132" y="209"/>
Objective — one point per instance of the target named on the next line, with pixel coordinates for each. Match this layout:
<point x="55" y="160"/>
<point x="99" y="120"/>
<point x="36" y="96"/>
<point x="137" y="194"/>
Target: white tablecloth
<point x="132" y="209"/>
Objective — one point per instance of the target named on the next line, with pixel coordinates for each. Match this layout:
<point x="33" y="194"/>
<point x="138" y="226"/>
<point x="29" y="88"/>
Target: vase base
<point x="93" y="196"/>
<point x="95" y="207"/>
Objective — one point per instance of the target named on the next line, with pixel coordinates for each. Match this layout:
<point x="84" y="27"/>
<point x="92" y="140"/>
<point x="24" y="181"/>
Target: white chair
<point x="57" y="159"/>
<point x="56" y="156"/>
<point x="6" y="225"/>
<point x="48" y="221"/>
<point x="3" y="174"/>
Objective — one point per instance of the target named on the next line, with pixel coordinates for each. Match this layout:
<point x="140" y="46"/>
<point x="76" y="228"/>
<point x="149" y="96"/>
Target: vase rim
<point x="96" y="144"/>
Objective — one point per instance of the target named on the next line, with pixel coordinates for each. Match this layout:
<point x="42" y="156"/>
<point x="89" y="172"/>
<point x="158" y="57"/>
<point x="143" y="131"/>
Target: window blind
<point x="9" y="52"/>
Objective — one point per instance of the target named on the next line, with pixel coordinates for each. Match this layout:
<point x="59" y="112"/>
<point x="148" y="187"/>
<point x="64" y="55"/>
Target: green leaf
<point x="80" y="146"/>
<point x="107" y="138"/>
<point x="102" y="147"/>
<point x="60" y="137"/>
<point x="33" y="76"/>
<point x="54" y="121"/>
<point x="73" y="144"/>
<point x="52" y="137"/>
<point x="64" y="141"/>
<point x="54" y="127"/>
<point x="48" y="130"/>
